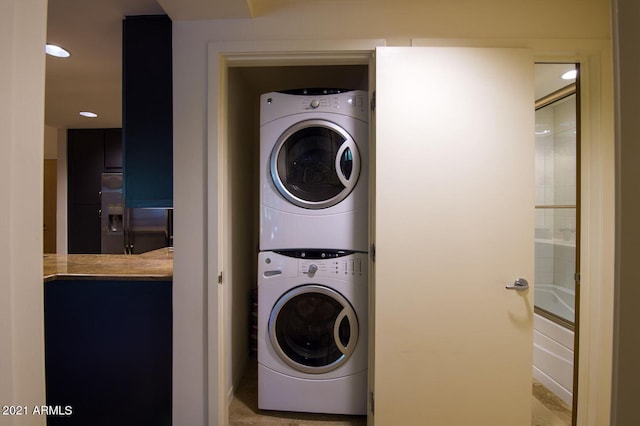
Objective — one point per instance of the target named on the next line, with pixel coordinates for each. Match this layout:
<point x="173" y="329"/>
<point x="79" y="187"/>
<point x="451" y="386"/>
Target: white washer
<point x="312" y="331"/>
<point x="314" y="170"/>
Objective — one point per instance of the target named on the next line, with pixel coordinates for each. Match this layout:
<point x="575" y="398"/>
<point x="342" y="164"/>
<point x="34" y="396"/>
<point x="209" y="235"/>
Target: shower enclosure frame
<point x="563" y="93"/>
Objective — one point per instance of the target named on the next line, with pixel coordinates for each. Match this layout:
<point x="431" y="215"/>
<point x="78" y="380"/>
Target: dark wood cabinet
<point x="112" y="150"/>
<point x="85" y="163"/>
<point x="84" y="228"/>
<point x="90" y="152"/>
<point x="108" y="352"/>
<point x="147" y="111"/>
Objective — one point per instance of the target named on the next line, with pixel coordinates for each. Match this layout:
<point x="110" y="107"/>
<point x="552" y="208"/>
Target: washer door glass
<point x="315" y="164"/>
<point x="313" y="328"/>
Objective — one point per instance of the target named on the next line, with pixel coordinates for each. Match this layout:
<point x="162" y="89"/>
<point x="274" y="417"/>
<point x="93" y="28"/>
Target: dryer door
<point x="313" y="328"/>
<point x="315" y="164"/>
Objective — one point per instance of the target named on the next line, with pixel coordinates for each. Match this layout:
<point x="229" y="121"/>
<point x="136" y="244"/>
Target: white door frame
<point x="596" y="302"/>
<point x="221" y="57"/>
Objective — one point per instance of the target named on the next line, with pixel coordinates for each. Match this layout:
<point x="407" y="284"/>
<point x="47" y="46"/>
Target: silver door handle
<point x="519" y="285"/>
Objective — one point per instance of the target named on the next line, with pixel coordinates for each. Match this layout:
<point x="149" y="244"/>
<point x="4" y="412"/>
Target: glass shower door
<point x="556" y="209"/>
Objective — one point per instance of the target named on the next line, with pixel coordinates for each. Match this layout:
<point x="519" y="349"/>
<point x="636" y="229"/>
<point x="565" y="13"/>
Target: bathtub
<point x="553" y="356"/>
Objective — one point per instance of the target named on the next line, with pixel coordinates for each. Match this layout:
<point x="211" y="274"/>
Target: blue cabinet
<point x="147" y="118"/>
<point x="108" y="348"/>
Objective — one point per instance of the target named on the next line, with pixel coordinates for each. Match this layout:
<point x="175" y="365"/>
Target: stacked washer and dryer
<point x="312" y="265"/>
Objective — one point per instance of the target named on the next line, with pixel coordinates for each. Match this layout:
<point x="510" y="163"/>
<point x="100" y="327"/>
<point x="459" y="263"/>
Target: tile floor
<point x="548" y="410"/>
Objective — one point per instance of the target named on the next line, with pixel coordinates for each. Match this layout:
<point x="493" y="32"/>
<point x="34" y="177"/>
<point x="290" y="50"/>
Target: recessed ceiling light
<point x="57" y="51"/>
<point x="570" y="75"/>
<point x="88" y="114"/>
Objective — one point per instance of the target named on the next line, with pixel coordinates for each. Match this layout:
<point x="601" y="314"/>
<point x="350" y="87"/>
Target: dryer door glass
<point x="315" y="164"/>
<point x="313" y="329"/>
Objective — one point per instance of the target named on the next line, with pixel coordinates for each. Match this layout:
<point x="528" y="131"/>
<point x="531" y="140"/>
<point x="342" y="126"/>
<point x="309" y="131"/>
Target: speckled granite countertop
<point x="155" y="265"/>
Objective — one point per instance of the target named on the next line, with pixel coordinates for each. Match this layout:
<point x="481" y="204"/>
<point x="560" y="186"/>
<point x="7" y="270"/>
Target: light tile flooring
<point x="548" y="410"/>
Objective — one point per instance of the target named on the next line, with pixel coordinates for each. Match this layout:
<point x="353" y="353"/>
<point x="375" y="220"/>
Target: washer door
<point x="315" y="164"/>
<point x="313" y="328"/>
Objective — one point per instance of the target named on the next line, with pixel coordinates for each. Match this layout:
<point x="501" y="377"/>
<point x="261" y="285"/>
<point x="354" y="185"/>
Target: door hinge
<point x="220" y="278"/>
<point x="372" y="253"/>
<point x="576" y="277"/>
<point x="371" y="402"/>
<point x="373" y="101"/>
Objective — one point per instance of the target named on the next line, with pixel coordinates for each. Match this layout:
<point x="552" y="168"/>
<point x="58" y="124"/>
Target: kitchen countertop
<point x="156" y="265"/>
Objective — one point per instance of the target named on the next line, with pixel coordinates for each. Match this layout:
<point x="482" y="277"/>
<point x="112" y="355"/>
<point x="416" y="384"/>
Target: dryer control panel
<point x="276" y="105"/>
<point x="335" y="103"/>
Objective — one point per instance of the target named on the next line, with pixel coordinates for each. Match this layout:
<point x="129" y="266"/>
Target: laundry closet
<point x="242" y="185"/>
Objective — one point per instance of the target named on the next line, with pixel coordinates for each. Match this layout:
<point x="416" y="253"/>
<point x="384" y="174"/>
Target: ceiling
<point x="548" y="78"/>
<point x="91" y="78"/>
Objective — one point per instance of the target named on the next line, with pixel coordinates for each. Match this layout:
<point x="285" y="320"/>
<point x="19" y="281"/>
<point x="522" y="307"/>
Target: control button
<point x="315" y="103"/>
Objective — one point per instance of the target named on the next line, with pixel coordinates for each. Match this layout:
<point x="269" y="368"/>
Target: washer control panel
<point x="310" y="263"/>
<point x="330" y="267"/>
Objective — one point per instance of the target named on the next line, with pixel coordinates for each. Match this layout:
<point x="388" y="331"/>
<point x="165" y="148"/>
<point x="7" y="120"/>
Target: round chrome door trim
<point x="349" y="182"/>
<point x="346" y="312"/>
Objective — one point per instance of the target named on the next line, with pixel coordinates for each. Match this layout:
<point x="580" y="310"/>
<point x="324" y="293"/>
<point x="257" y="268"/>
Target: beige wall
<point x="50" y="143"/>
<point x="22" y="34"/>
<point x="50" y="188"/>
<point x="197" y="107"/>
<point x="626" y="386"/>
<point x="241" y="202"/>
<point x="61" y="203"/>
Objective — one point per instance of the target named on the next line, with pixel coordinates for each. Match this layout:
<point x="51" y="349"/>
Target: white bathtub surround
<point x="556" y="299"/>
<point x="553" y="357"/>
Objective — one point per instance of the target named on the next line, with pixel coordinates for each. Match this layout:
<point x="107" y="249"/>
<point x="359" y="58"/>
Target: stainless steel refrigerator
<point x="130" y="231"/>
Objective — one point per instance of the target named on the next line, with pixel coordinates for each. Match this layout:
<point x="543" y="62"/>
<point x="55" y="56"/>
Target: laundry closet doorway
<point x="245" y="85"/>
<point x="243" y="78"/>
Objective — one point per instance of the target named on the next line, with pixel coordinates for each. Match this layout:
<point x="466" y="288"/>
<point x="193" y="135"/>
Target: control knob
<point x="315" y="103"/>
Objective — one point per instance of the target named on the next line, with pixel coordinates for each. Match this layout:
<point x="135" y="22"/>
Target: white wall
<point x="22" y="36"/>
<point x="196" y="127"/>
<point x="190" y="274"/>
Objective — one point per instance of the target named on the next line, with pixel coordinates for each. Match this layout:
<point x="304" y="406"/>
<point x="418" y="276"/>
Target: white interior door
<point x="454" y="223"/>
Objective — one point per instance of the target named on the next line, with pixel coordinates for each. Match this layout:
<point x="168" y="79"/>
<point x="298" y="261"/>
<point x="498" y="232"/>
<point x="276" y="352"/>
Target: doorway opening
<point x="557" y="234"/>
<point x="245" y="84"/>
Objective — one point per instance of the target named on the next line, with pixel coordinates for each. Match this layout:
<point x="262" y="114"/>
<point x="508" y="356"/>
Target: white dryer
<point x="314" y="170"/>
<point x="312" y="331"/>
